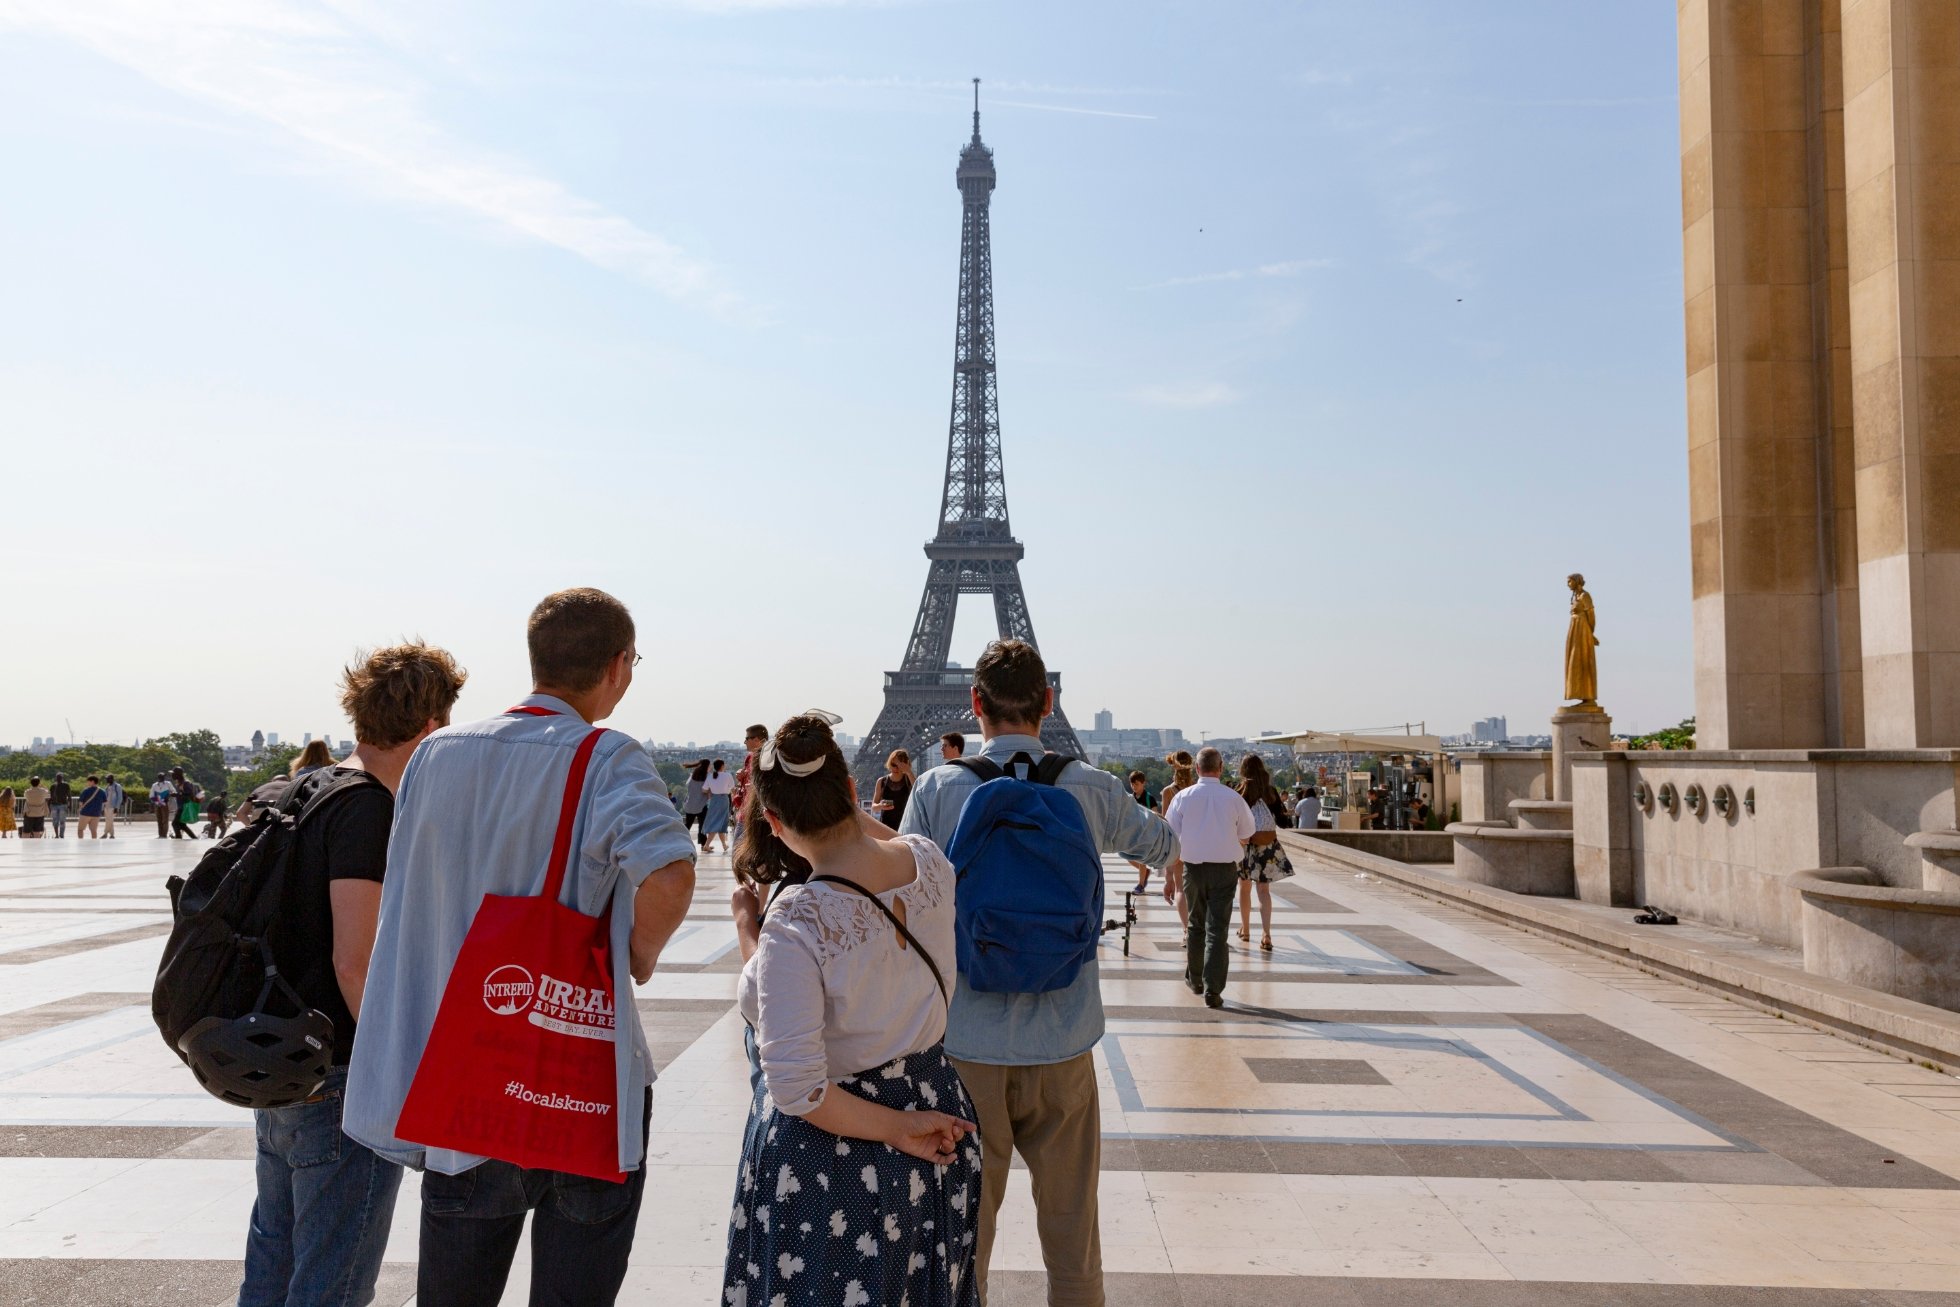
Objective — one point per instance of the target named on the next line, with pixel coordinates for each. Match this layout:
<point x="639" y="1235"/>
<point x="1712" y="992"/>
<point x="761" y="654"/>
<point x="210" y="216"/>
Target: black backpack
<point x="217" y="962"/>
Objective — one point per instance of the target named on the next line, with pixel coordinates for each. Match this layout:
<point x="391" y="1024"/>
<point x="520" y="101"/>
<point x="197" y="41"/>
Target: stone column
<point x="1576" y="730"/>
<point x="1902" y="181"/>
<point x="1753" y="449"/>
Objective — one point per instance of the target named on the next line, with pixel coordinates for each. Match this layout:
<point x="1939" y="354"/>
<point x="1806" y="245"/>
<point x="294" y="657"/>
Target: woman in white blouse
<point x="860" y="1176"/>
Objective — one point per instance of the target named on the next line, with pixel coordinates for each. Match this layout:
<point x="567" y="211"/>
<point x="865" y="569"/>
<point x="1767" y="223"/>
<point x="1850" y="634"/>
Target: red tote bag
<point x="520" y="1063"/>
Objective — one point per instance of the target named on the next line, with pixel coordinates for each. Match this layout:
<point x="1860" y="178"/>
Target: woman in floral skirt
<point x="1264" y="861"/>
<point x="860" y="1174"/>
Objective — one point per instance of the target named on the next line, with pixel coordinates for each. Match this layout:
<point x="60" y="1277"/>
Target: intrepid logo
<point x="508" y="990"/>
<point x="572" y="1009"/>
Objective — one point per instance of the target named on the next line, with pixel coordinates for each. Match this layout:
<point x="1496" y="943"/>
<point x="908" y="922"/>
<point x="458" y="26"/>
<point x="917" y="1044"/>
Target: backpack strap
<point x="985" y="768"/>
<point x="898" y="925"/>
<point x="1051" y="768"/>
<point x="334" y="786"/>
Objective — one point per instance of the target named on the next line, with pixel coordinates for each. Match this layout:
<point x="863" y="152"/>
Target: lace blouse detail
<point x="831" y="989"/>
<point x="835" y="920"/>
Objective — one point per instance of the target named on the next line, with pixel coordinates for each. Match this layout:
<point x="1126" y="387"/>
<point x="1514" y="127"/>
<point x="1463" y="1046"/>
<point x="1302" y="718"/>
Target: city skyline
<point x="1299" y="326"/>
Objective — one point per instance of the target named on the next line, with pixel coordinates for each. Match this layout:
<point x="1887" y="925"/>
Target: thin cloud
<point x="1285" y="268"/>
<point x="768" y="6"/>
<point x="853" y="82"/>
<point x="309" y="71"/>
<point x="1197" y="394"/>
<point x="1065" y="108"/>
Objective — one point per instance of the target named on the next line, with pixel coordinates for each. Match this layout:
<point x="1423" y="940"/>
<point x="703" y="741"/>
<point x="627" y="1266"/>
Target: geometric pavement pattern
<point x="1401" y="1100"/>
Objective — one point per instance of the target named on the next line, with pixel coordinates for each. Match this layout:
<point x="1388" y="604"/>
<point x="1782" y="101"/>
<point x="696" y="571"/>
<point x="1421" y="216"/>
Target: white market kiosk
<point x="1377" y="742"/>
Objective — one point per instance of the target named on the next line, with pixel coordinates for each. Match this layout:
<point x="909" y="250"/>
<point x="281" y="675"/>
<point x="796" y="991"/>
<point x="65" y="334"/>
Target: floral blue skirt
<point x="825" y="1221"/>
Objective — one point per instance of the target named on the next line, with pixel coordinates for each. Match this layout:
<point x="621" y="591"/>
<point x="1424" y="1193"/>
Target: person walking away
<point x="216" y="820"/>
<point x="1212" y="825"/>
<point x="6" y="811"/>
<point x="468" y="822"/>
<point x="1264" y="860"/>
<point x="894" y="789"/>
<point x="183" y="809"/>
<point x="89" y="807"/>
<point x="695" y="805"/>
<point x="34" y="810"/>
<point x="846" y="1014"/>
<point x="1028" y="1059"/>
<point x="720" y="788"/>
<point x="162" y="792"/>
<point x="1140" y="791"/>
<point x="952" y="745"/>
<point x="60" y="795"/>
<point x="325" y="1202"/>
<point x="752" y="741"/>
<point x="116" y="801"/>
<point x="312" y="758"/>
<point x="1184" y="774"/>
<point x="1306" y="811"/>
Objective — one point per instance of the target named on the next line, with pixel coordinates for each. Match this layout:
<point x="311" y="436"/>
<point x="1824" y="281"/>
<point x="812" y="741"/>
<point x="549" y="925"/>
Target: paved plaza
<point x="1402" y="1103"/>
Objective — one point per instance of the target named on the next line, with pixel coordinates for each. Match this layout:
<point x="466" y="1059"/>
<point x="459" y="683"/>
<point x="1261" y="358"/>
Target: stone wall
<point x="1812" y="809"/>
<point x="1421" y="846"/>
<point x="1491" y="780"/>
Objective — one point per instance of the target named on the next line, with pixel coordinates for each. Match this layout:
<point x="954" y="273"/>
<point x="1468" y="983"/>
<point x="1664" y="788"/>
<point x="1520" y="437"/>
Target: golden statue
<point x="1581" y="664"/>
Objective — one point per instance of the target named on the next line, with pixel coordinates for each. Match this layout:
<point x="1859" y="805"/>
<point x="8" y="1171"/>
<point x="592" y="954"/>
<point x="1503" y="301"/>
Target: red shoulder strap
<point x="532" y="710"/>
<point x="561" y="845"/>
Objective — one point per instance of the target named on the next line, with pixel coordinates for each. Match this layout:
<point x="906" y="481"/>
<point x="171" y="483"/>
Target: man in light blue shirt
<point x="476" y="814"/>
<point x="1028" y="1060"/>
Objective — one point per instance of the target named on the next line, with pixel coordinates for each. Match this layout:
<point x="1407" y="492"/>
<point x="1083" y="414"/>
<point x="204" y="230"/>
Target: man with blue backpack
<point x="1026" y="831"/>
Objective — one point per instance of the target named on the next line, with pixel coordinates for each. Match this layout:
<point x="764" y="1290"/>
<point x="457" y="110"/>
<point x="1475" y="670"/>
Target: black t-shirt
<point x="345" y="840"/>
<point x="59" y="793"/>
<point x="898" y="793"/>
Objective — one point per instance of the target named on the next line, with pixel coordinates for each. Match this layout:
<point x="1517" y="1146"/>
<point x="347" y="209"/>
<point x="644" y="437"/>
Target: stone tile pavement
<point x="1401" y="1100"/>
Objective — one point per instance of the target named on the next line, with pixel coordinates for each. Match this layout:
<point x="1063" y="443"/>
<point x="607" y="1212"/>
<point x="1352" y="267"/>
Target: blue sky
<point x="1331" y="337"/>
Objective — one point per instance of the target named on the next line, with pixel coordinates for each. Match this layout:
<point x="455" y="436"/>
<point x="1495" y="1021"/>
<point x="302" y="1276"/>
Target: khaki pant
<point x="88" y="826"/>
<point x="1052" y="1117"/>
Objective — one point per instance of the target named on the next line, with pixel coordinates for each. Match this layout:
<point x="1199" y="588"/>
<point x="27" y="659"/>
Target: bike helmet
<point x="262" y="1060"/>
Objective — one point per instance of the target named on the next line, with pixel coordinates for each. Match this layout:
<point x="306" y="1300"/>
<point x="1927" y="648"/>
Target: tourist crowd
<point x="902" y="1050"/>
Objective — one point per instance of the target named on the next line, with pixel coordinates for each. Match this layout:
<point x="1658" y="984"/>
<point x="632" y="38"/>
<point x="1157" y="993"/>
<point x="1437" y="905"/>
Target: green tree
<point x="133" y="767"/>
<point x="275" y="762"/>
<point x="203" y="753"/>
<point x="1672" y="737"/>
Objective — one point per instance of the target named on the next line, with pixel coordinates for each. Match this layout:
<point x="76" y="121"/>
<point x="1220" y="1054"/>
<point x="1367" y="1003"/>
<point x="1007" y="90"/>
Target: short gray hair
<point x="1210" y="762"/>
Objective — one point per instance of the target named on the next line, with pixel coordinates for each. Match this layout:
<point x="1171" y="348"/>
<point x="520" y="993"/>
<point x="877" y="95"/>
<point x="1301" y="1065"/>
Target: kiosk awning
<point x="1354" y="742"/>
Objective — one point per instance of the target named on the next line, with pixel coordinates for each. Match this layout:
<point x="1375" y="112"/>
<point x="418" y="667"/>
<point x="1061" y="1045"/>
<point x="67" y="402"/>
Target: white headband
<point x="768" y="760"/>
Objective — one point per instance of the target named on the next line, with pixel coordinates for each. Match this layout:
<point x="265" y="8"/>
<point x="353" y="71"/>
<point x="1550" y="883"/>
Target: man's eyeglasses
<point x="638" y="659"/>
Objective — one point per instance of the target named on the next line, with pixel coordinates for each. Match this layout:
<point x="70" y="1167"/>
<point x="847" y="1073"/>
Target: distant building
<point x="1105" y="720"/>
<point x="258" y="741"/>
<point x="1491" y="730"/>
<point x="1130" y="742"/>
<point x="238" y="755"/>
<point x="272" y="739"/>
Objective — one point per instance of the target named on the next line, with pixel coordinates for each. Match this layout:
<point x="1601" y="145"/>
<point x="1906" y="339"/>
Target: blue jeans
<point x="581" y="1233"/>
<point x="58" y="818"/>
<point x="321" y="1222"/>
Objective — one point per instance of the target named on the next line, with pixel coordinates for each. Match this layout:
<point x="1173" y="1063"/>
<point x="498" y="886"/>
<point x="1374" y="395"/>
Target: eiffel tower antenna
<point x="974" y="551"/>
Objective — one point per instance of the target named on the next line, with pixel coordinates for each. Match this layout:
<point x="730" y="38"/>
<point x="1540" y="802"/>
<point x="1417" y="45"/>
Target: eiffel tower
<point x="974" y="552"/>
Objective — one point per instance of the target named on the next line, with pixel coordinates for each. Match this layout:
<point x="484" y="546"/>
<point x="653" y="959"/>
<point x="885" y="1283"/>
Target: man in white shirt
<point x="162" y="795"/>
<point x="1212" y="825"/>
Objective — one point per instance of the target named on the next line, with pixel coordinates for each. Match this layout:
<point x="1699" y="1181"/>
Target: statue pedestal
<point x="1582" y="728"/>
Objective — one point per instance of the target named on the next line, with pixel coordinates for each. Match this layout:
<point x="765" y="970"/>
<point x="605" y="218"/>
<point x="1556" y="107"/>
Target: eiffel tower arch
<point x="974" y="551"/>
